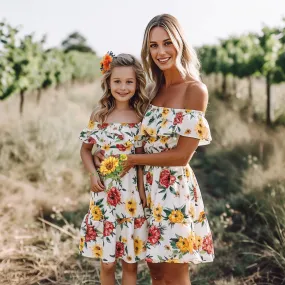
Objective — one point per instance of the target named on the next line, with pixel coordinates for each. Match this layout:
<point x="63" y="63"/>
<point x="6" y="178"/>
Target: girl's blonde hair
<point x="187" y="61"/>
<point x="138" y="102"/>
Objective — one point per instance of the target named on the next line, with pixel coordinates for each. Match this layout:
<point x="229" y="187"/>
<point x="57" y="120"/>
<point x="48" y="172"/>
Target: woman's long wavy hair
<point x="138" y="102"/>
<point x="187" y="61"/>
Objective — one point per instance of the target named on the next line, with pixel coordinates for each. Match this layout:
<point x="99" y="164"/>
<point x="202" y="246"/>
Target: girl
<point x="115" y="226"/>
<point x="174" y="125"/>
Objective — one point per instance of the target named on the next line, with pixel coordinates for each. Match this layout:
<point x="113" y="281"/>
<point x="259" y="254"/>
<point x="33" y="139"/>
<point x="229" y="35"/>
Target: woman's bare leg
<point x="156" y="273"/>
<point x="129" y="273"/>
<point x="176" y="274"/>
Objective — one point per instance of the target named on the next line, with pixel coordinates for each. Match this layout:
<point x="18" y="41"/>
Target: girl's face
<point x="123" y="83"/>
<point x="162" y="49"/>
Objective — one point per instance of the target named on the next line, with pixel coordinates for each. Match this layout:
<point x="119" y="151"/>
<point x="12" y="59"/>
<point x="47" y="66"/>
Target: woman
<point x="173" y="127"/>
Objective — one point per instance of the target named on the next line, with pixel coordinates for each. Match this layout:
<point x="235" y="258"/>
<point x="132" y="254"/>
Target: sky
<point x="118" y="25"/>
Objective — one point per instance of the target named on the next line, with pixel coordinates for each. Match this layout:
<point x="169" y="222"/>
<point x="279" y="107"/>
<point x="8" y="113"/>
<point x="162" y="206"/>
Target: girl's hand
<point x="99" y="156"/>
<point x="143" y="198"/>
<point x="127" y="165"/>
<point x="96" y="184"/>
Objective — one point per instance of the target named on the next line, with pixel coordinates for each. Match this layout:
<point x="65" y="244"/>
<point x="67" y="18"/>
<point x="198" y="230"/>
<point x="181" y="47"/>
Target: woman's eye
<point x="153" y="45"/>
<point x="168" y="43"/>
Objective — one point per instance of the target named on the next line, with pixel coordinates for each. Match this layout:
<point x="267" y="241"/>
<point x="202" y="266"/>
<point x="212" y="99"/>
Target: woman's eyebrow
<point x="163" y="40"/>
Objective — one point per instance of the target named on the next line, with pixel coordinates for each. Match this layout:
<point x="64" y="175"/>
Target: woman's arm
<point x="140" y="179"/>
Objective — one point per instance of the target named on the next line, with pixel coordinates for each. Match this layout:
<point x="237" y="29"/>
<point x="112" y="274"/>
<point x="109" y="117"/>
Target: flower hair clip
<point x="106" y="61"/>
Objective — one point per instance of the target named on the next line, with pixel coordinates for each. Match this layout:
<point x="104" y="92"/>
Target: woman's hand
<point x="143" y="198"/>
<point x="127" y="165"/>
<point x="98" y="157"/>
<point x="96" y="184"/>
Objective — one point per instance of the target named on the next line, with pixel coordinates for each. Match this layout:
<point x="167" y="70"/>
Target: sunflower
<point x="128" y="145"/>
<point x="157" y="213"/>
<point x="152" y="139"/>
<point x="138" y="246"/>
<point x="202" y="217"/>
<point x="192" y="211"/>
<point x="173" y="260"/>
<point x="201" y="130"/>
<point x="124" y="240"/>
<point x="187" y="132"/>
<point x="131" y="206"/>
<point x="90" y="125"/>
<point x="165" y="112"/>
<point x="164" y="140"/>
<point x="97" y="251"/>
<point x="96" y="213"/>
<point x="176" y="216"/>
<point x="184" y="244"/>
<point x="151" y="131"/>
<point x="106" y="147"/>
<point x="109" y="165"/>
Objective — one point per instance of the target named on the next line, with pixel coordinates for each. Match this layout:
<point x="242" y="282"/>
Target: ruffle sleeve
<point x="193" y="124"/>
<point x="90" y="134"/>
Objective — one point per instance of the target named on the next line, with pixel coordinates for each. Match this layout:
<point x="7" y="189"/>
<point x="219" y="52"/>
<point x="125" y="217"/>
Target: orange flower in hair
<point x="106" y="62"/>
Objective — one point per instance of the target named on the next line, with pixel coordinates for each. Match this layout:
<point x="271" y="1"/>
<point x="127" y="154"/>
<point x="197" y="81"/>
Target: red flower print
<point x="178" y="118"/>
<point x="91" y="140"/>
<point x="164" y="178"/>
<point x="131" y="125"/>
<point x="120" y="137"/>
<point x="147" y="259"/>
<point x="108" y="228"/>
<point x="139" y="222"/>
<point x="90" y="231"/>
<point x="103" y="126"/>
<point x="119" y="249"/>
<point x="113" y="196"/>
<point x="121" y="147"/>
<point x="172" y="179"/>
<point x="207" y="244"/>
<point x="153" y="235"/>
<point x="195" y="194"/>
<point x="149" y="178"/>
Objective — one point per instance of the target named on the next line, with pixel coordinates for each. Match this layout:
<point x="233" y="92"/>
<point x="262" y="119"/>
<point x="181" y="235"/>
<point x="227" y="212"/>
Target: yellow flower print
<point x="128" y="145"/>
<point x="184" y="245"/>
<point x="149" y="201"/>
<point x="187" y="132"/>
<point x="81" y="244"/>
<point x="201" y="130"/>
<point x="138" y="244"/>
<point x="167" y="247"/>
<point x="187" y="171"/>
<point x="165" y="112"/>
<point x="109" y="165"/>
<point x="152" y="139"/>
<point x="151" y="131"/>
<point x="129" y="258"/>
<point x="163" y="123"/>
<point x="124" y="240"/>
<point x="97" y="251"/>
<point x="144" y="129"/>
<point x="173" y="260"/>
<point x="90" y="125"/>
<point x="192" y="211"/>
<point x="96" y="213"/>
<point x="164" y="140"/>
<point x="123" y="157"/>
<point x="176" y="216"/>
<point x="198" y="242"/>
<point x="124" y="220"/>
<point x="202" y="217"/>
<point x="131" y="206"/>
<point x="106" y="147"/>
<point x="157" y="210"/>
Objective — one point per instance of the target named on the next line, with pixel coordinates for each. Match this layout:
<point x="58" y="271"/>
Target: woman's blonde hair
<point x="138" y="102"/>
<point x="187" y="61"/>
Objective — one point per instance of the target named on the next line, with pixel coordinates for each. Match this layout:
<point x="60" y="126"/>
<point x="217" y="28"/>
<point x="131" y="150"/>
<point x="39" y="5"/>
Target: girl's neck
<point x="172" y="77"/>
<point x="122" y="106"/>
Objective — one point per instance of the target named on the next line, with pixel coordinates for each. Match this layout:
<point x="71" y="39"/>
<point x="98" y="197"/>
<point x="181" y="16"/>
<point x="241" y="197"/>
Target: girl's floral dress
<point x="115" y="225"/>
<point x="178" y="227"/>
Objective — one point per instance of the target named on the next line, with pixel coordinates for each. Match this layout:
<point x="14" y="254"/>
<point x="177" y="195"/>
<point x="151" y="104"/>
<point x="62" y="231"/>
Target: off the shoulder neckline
<point x="178" y="109"/>
<point x="117" y="123"/>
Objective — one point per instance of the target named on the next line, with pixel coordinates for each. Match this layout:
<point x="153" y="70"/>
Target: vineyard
<point x="25" y="66"/>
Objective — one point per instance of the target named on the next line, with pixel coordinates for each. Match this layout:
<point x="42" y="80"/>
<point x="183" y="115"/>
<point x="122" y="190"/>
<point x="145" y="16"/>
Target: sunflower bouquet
<point x="111" y="167"/>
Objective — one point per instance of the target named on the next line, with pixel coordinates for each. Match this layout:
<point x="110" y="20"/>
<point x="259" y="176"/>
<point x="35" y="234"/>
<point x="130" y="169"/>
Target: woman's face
<point x="162" y="49"/>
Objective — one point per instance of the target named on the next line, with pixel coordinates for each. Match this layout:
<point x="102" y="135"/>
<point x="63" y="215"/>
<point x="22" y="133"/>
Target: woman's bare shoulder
<point x="196" y="96"/>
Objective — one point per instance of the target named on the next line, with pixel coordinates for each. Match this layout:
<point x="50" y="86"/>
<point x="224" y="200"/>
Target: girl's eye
<point x="130" y="82"/>
<point x="117" y="81"/>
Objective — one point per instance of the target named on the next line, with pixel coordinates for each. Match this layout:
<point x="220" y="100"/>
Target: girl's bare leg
<point x="129" y="273"/>
<point x="108" y="273"/>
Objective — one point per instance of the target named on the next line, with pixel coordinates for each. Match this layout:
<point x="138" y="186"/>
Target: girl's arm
<point x="87" y="159"/>
<point x="140" y="179"/>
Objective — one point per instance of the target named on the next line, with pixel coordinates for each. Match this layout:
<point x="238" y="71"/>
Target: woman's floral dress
<point x="115" y="225"/>
<point x="178" y="227"/>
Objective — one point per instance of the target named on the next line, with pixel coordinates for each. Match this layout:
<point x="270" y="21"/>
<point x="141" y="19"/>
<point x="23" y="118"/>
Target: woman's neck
<point x="172" y="76"/>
